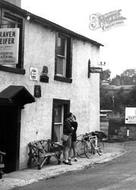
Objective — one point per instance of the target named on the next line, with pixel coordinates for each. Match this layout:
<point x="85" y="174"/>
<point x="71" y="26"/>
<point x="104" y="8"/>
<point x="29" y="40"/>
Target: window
<point x="63" y="58"/>
<point x="11" y="42"/>
<point x="58" y="122"/>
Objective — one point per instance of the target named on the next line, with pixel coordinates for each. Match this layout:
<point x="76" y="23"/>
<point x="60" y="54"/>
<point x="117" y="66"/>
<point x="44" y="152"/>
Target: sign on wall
<point x="37" y="91"/>
<point x="34" y="75"/>
<point x="130" y="115"/>
<point x="9" y="45"/>
<point x="93" y="69"/>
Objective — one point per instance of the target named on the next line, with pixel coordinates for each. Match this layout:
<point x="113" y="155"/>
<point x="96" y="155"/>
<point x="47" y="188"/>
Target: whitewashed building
<point x="44" y="73"/>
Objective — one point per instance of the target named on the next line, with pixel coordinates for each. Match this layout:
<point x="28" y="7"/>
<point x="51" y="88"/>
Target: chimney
<point x="15" y="2"/>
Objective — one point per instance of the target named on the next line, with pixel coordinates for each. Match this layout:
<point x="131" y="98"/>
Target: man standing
<point x="67" y="131"/>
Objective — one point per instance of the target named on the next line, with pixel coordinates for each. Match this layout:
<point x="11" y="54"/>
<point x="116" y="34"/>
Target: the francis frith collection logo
<point x="106" y="21"/>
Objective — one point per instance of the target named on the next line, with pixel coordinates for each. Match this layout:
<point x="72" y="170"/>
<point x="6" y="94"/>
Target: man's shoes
<point x="67" y="162"/>
<point x="69" y="159"/>
<point x="75" y="159"/>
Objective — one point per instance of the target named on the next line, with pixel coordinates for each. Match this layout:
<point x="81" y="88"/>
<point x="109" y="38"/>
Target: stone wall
<point x="118" y="130"/>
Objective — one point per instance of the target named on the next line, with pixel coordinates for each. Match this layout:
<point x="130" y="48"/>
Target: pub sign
<point x="9" y="45"/>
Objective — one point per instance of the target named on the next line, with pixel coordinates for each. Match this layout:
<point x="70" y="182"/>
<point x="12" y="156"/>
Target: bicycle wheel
<point x="89" y="150"/>
<point x="101" y="144"/>
<point x="80" y="148"/>
<point x="100" y="148"/>
<point x="99" y="151"/>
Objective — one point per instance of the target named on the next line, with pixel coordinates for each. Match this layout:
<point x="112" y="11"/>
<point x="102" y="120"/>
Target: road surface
<point x="118" y="174"/>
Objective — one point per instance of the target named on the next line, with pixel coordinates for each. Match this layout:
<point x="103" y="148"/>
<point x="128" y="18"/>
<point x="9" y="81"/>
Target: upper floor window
<point x="63" y="67"/>
<point x="11" y="42"/>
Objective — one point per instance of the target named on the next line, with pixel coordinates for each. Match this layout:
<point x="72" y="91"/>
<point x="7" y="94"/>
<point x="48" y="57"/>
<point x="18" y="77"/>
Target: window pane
<point x="57" y="132"/>
<point x="10" y="24"/>
<point x="58" y="114"/>
<point x="61" y="43"/>
<point x="60" y="66"/>
<point x="63" y="56"/>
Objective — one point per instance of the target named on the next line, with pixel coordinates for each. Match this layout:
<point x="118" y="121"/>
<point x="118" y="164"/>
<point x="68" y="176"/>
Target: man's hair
<point x="74" y="117"/>
<point x="68" y="115"/>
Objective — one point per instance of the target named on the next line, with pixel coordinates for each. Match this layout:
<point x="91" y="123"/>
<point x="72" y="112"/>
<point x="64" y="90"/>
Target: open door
<point x="60" y="108"/>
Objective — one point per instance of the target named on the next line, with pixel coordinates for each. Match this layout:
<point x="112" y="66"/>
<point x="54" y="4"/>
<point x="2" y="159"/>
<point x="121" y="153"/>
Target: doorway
<point x="60" y="108"/>
<point x="10" y="136"/>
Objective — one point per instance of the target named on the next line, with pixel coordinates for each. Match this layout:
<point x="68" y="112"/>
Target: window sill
<point x="12" y="70"/>
<point x="63" y="79"/>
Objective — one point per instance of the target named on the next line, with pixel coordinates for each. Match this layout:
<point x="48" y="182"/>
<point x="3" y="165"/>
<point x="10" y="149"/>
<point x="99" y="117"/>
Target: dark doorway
<point x="10" y="136"/>
<point x="12" y="100"/>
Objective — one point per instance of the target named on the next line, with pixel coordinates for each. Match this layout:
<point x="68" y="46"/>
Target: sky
<point x="119" y="41"/>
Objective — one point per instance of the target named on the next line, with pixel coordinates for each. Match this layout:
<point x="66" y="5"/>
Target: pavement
<point x="28" y="176"/>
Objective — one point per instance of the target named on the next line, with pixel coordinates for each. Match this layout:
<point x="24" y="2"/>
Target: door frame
<point x="66" y="104"/>
<point x="18" y="136"/>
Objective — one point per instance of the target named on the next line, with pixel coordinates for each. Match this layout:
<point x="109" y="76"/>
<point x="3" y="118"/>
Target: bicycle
<point x="94" y="145"/>
<point x="88" y="145"/>
<point x="81" y="146"/>
<point x="102" y="137"/>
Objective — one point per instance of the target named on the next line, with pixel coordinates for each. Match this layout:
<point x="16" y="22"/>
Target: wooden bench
<point x="41" y="151"/>
<point x="2" y="154"/>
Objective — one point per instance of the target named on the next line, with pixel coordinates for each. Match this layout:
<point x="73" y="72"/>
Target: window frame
<point x="67" y="76"/>
<point x="8" y="14"/>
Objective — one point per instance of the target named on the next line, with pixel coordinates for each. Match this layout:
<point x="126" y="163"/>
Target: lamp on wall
<point x="44" y="75"/>
<point x="28" y="16"/>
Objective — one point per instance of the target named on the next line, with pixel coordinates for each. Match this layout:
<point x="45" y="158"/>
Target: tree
<point x="129" y="73"/>
<point x="105" y="99"/>
<point x="121" y="100"/>
<point x="128" y="77"/>
<point x="132" y="97"/>
<point x="116" y="80"/>
<point x="105" y="75"/>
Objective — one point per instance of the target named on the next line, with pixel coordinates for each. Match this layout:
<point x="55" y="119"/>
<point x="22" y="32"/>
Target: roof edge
<point x="47" y="23"/>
